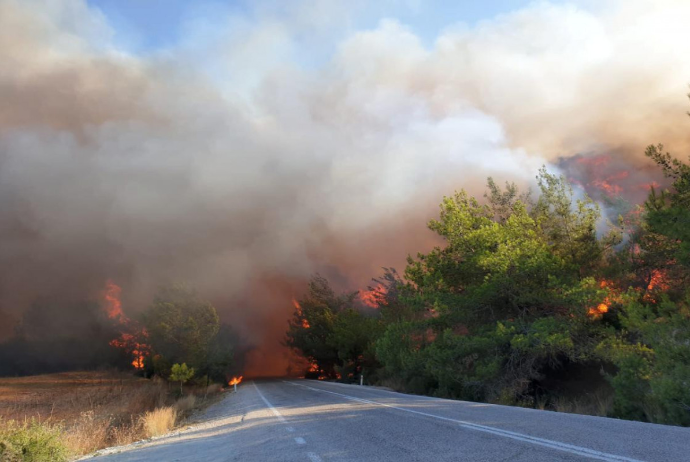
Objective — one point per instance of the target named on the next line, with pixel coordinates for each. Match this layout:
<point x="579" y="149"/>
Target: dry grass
<point x="159" y="421"/>
<point x="186" y="405"/>
<point x="599" y="404"/>
<point x="98" y="409"/>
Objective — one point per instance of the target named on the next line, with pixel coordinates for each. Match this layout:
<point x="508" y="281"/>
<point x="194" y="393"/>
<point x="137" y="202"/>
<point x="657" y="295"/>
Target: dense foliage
<point x="528" y="302"/>
<point x="31" y="441"/>
<point x="181" y="328"/>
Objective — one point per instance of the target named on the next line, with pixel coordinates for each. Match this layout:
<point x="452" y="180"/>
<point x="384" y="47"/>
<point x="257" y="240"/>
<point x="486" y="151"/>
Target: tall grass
<point x="598" y="404"/>
<point x="159" y="421"/>
<point x="184" y="406"/>
<point x="90" y="411"/>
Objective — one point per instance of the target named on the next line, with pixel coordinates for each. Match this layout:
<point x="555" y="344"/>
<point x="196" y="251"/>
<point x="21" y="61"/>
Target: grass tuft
<point x="159" y="421"/>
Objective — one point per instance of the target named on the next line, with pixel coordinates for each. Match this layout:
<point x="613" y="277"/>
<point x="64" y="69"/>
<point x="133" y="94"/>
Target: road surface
<point x="301" y="420"/>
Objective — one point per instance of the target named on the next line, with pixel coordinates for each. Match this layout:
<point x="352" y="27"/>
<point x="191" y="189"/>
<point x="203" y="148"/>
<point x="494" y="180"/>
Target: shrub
<point x="31" y="441"/>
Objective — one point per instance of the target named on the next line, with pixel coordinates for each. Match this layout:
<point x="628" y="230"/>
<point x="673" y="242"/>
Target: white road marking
<point x="313" y="457"/>
<point x="299" y="440"/>
<point x="577" y="450"/>
<point x="270" y="406"/>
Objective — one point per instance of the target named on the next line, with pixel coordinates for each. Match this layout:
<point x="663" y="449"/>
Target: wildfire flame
<point x="235" y="381"/>
<point x="373" y="297"/>
<point x="603" y="307"/>
<point x="130" y="335"/>
<point x="609" y="185"/>
<point x="113" y="305"/>
<point x="657" y="282"/>
<point x="610" y="178"/>
<point x="298" y="307"/>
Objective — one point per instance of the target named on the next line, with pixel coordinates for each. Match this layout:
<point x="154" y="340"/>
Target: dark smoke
<point x="228" y="163"/>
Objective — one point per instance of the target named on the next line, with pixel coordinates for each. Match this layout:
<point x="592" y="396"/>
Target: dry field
<point x="98" y="409"/>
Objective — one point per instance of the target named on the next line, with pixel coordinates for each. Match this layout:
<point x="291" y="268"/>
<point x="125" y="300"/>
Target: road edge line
<point x="565" y="447"/>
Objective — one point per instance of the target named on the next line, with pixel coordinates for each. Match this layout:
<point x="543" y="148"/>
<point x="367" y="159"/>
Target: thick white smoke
<point x="247" y="157"/>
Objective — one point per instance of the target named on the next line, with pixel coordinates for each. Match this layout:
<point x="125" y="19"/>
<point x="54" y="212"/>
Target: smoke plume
<point x="267" y="145"/>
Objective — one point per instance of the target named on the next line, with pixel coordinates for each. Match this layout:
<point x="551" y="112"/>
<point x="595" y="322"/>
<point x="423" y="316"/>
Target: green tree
<point x="353" y="337"/>
<point x="652" y="348"/>
<point x="182" y="328"/>
<point x="506" y="298"/>
<point x="310" y="331"/>
<point x="181" y="373"/>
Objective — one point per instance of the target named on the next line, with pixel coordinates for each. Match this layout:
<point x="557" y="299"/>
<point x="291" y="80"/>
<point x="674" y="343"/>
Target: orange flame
<point x="374" y="297"/>
<point x="235" y="381"/>
<point x="608" y="184"/>
<point x="657" y="282"/>
<point x="603" y="307"/>
<point x="599" y="310"/>
<point x="113" y="305"/>
<point x="298" y="308"/>
<point x="127" y="341"/>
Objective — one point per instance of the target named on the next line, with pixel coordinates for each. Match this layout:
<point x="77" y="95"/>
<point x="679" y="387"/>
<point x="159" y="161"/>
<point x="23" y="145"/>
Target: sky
<point x="144" y="26"/>
<point x="242" y="147"/>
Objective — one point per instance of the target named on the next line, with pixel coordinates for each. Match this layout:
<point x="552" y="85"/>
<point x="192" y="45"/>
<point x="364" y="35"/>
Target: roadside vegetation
<point x="182" y="366"/>
<point x="60" y="416"/>
<point x="528" y="303"/>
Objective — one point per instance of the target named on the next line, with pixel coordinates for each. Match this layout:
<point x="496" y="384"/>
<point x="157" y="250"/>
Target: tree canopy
<point x="529" y="301"/>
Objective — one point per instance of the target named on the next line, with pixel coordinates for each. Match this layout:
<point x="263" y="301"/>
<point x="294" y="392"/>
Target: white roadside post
<point x="235" y="388"/>
<point x="361" y="380"/>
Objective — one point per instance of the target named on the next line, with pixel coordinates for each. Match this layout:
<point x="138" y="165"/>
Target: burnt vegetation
<point x="530" y="302"/>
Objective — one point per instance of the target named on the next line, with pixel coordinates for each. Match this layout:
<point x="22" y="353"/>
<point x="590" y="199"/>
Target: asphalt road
<point x="300" y="420"/>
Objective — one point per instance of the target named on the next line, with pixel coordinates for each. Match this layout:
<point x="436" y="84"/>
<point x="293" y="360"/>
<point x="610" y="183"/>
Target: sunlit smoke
<point x="244" y="159"/>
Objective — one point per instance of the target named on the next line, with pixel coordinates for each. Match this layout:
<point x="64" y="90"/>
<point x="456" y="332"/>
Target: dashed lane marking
<point x="313" y="457"/>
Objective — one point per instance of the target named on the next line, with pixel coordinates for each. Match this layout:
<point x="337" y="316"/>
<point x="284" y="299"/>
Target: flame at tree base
<point x="132" y="336"/>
